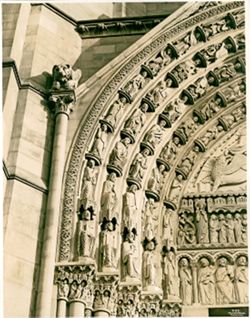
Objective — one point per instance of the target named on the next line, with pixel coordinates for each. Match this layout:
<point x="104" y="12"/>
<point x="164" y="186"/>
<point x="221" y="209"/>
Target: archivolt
<point x="183" y="42"/>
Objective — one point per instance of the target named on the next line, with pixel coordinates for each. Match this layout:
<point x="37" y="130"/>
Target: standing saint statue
<point x="109" y="198"/>
<point x="129" y="255"/>
<point x="201" y="223"/>
<point x="170" y="271"/>
<point x="186" y="287"/>
<point x="241" y="280"/>
<point x="206" y="282"/>
<point x="224" y="282"/>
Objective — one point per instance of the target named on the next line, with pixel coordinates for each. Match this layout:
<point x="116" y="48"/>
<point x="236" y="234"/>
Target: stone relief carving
<point x="119" y="156"/>
<point x="138" y="82"/>
<point x="187" y="229"/>
<point x="135" y="123"/>
<point x="170" y="151"/>
<point x="156" y="180"/>
<point x="154" y="135"/>
<point x="100" y="143"/>
<point x="63" y="289"/>
<point x="115" y="113"/>
<point x="138" y="167"/>
<point x="128" y="300"/>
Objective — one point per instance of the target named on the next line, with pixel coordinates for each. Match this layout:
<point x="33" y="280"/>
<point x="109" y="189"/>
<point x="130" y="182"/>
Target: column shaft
<point x="76" y="309"/>
<point x="195" y="291"/>
<point x="101" y="313"/>
<point x="61" y="308"/>
<point x="52" y="216"/>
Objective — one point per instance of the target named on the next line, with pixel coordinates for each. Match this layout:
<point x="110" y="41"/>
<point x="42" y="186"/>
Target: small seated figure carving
<point x="64" y="78"/>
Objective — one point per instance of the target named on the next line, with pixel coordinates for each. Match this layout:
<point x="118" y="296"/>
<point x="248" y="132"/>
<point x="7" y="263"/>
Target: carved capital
<point x="62" y="102"/>
<point x="127" y="301"/>
<point x="105" y="293"/>
<point x="74" y="282"/>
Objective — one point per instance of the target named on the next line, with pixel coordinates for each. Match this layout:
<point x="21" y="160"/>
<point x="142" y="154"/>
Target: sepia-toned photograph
<point x="124" y="159"/>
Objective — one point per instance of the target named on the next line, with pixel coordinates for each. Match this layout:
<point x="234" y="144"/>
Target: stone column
<point x="101" y="313"/>
<point x="88" y="312"/>
<point x="76" y="308"/>
<point x="63" y="102"/>
<point x="61" y="308"/>
<point x="194" y="283"/>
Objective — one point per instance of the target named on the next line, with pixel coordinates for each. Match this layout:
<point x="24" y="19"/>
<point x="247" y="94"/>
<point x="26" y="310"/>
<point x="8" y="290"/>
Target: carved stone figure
<point x="63" y="289"/>
<point x="188" y="162"/>
<point x="64" y="78"/>
<point x="185" y="282"/>
<point x="244" y="228"/>
<point x="210" y="109"/>
<point x="225" y="72"/>
<point x="139" y="165"/>
<point x="224" y="282"/>
<point x="230" y="228"/>
<point x="119" y="154"/>
<point x="214" y="52"/>
<point x="86" y="236"/>
<point x="109" y="198"/>
<point x="154" y="135"/>
<point x="109" y="245"/>
<point x="209" y="135"/>
<point x="76" y="290"/>
<point x="89" y="181"/>
<point x="170" y="227"/>
<point x="115" y="111"/>
<point x="150" y="219"/>
<point x="157" y="94"/>
<point x="156" y="64"/>
<point x="214" y="229"/>
<point x="136" y="83"/>
<point x="149" y="264"/>
<point x="176" y="188"/>
<point x="206" y="282"/>
<point x="174" y="109"/>
<point x="170" y="271"/>
<point x="187" y="228"/>
<point x="202" y="223"/>
<point x="211" y="29"/>
<point x="156" y="178"/>
<point x="237" y="228"/>
<point x="187" y="128"/>
<point x="170" y="151"/>
<point x="222" y="229"/>
<point x="130" y="211"/>
<point x="241" y="280"/>
<point x="135" y="123"/>
<point x="100" y="141"/>
<point x="129" y="256"/>
<point x="185" y="43"/>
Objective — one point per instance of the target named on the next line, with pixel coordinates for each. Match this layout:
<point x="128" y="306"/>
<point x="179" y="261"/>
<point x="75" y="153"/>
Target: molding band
<point x="22" y="180"/>
<point x="10" y="63"/>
